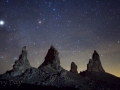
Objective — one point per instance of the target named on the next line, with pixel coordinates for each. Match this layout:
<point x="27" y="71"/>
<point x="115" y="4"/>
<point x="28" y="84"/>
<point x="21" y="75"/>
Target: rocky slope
<point x="50" y="74"/>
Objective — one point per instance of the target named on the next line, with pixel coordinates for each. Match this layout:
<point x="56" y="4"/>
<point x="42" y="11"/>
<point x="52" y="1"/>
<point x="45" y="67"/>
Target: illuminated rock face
<point x="73" y="68"/>
<point x="94" y="64"/>
<point x="21" y="65"/>
<point x="52" y="59"/>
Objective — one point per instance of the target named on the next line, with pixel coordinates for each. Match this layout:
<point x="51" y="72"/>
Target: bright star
<point x="40" y="22"/>
<point x="1" y="22"/>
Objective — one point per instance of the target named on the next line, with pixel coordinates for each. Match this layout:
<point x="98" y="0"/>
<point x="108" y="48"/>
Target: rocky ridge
<point x="50" y="73"/>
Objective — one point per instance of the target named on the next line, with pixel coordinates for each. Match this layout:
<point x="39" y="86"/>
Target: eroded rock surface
<point x="50" y="73"/>
<point x="20" y="65"/>
<point x="94" y="64"/>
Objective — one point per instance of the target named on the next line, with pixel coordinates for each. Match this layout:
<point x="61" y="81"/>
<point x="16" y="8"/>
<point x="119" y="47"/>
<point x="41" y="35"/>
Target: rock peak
<point x="73" y="68"/>
<point x="24" y="47"/>
<point x="52" y="58"/>
<point x="20" y="65"/>
<point x="52" y="47"/>
<point x="95" y="51"/>
<point x="23" y="53"/>
<point x="95" y="55"/>
<point x="94" y="64"/>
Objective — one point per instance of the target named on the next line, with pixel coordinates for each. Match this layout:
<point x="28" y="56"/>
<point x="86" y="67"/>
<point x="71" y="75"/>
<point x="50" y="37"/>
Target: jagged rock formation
<point x="52" y="59"/>
<point x="73" y="68"/>
<point x="20" y="65"/>
<point x="50" y="73"/>
<point x="94" y="64"/>
<point x="99" y="79"/>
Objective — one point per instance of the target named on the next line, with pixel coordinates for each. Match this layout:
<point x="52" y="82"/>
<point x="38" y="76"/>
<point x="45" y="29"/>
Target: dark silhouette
<point x="73" y="68"/>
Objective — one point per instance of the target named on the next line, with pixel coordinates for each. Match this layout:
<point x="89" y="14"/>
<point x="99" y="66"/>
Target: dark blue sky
<point x="75" y="27"/>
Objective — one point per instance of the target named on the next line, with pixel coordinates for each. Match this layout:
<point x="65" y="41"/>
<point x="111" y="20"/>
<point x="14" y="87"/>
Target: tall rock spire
<point x="21" y="64"/>
<point x="73" y="68"/>
<point x="52" y="58"/>
<point x="94" y="64"/>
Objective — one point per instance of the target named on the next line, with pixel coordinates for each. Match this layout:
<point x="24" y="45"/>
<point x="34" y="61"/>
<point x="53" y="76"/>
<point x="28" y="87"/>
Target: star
<point x="54" y="9"/>
<point x="1" y="22"/>
<point x="39" y="22"/>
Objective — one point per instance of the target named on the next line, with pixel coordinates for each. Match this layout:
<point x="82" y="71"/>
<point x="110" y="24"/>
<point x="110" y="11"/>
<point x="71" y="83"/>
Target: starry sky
<point x="75" y="27"/>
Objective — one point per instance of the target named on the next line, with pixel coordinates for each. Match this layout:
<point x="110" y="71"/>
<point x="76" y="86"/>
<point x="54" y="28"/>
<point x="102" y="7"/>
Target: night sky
<point x="75" y="27"/>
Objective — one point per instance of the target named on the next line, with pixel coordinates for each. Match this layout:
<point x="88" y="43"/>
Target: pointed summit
<point x="23" y="54"/>
<point x="95" y="55"/>
<point x="94" y="64"/>
<point x="73" y="68"/>
<point x="52" y="58"/>
<point x="21" y="64"/>
<point x="52" y="46"/>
